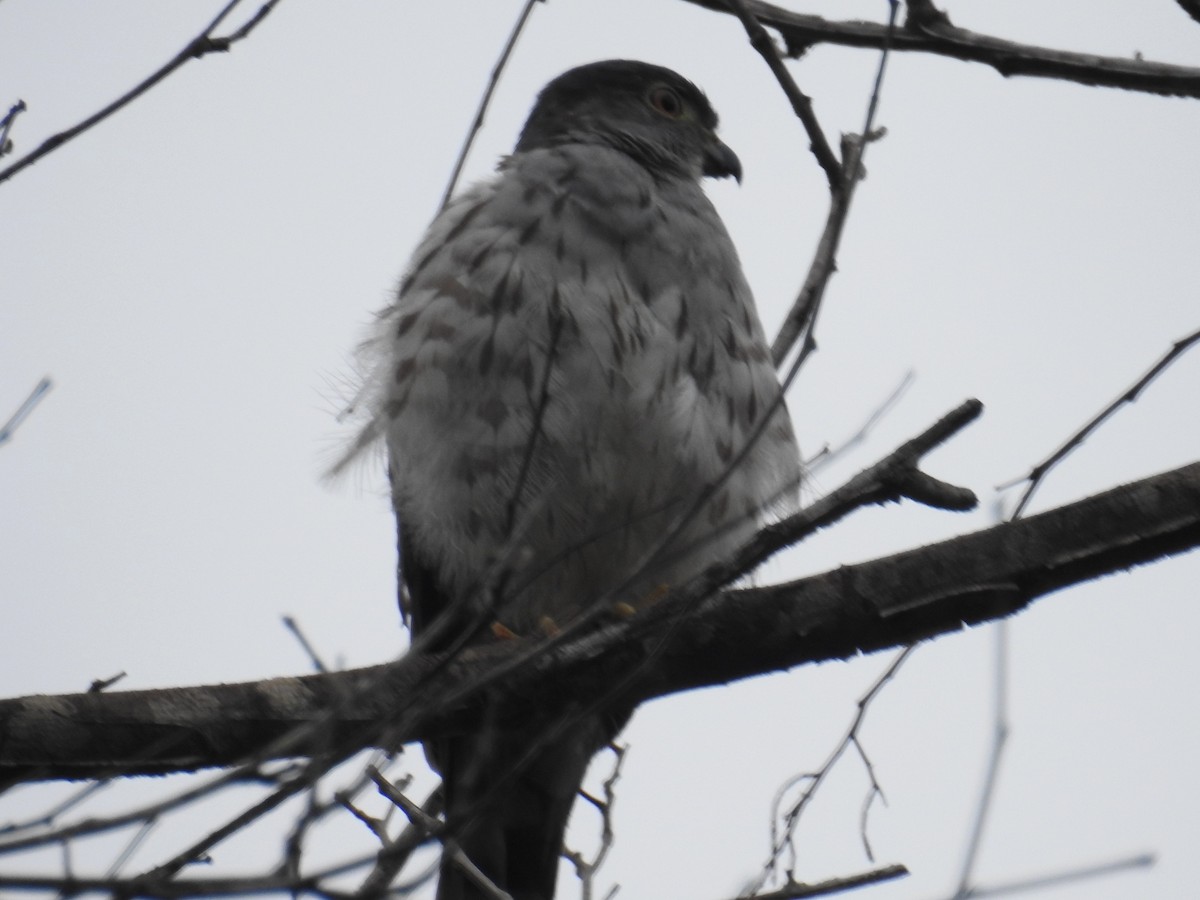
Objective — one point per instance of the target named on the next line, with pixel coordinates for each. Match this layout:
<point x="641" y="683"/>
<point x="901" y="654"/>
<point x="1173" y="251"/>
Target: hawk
<point x="579" y="408"/>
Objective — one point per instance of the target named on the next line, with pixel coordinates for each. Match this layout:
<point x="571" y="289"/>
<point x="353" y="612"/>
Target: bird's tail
<point x="508" y="797"/>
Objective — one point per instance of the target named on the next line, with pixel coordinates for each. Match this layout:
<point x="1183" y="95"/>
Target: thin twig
<point x="473" y="872"/>
<point x="782" y="840"/>
<point x="876" y="790"/>
<point x="801" y="318"/>
<point x="798" y="891"/>
<point x="199" y="849"/>
<point x="1141" y="861"/>
<point x="586" y="869"/>
<point x="893" y="477"/>
<point x="248" y="26"/>
<point x="26" y="407"/>
<point x="801" y="102"/>
<point x="485" y="101"/>
<point x="377" y="827"/>
<point x="412" y="810"/>
<point x="1001" y="729"/>
<point x="1039" y="472"/>
<point x="134" y="842"/>
<point x="828" y="454"/>
<point x="1000" y="734"/>
<point x="315" y="658"/>
<point x="395" y="855"/>
<point x="293" y="845"/>
<point x="48" y="818"/>
<point x="6" y="125"/>
<point x="103" y="684"/>
<point x="201" y="45"/>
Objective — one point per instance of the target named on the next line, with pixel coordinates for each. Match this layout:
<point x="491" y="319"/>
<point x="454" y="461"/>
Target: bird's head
<point x="651" y="113"/>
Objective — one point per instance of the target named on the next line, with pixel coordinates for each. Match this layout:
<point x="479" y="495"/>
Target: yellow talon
<point x="503" y="632"/>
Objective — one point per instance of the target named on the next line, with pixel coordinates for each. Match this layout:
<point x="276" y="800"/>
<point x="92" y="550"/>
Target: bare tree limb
<point x="801" y="31"/>
<point x="884" y="603"/>
<point x="201" y="45"/>
<point x="801" y="318"/>
<point x="802" y="315"/>
<point x="801" y="102"/>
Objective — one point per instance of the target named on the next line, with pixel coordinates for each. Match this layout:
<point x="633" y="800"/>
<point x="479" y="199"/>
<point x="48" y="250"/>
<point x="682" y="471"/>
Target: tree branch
<point x="484" y="102"/>
<point x="39" y="391"/>
<point x="801" y="103"/>
<point x="201" y="45"/>
<point x="801" y="31"/>
<point x="1038" y="473"/>
<point x="734" y="634"/>
<point x="1191" y="7"/>
<point x="796" y="890"/>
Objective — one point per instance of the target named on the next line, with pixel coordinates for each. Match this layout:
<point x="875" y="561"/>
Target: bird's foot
<point x="503" y="632"/>
<point x="623" y="610"/>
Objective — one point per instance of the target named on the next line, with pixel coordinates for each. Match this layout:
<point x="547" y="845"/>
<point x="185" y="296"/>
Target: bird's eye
<point x="666" y="101"/>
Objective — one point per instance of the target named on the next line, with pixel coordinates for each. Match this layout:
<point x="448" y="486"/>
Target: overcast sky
<point x="194" y="273"/>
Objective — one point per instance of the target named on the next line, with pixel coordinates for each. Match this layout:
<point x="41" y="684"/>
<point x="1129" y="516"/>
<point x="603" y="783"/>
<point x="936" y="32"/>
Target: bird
<point x="580" y="412"/>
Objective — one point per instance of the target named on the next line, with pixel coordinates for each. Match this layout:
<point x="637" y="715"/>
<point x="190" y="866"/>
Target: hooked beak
<point x="720" y="161"/>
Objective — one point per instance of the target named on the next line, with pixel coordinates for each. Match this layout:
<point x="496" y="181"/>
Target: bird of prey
<point x="580" y="410"/>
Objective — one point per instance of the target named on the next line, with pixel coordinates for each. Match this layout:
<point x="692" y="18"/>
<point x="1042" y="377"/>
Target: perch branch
<point x="863" y="608"/>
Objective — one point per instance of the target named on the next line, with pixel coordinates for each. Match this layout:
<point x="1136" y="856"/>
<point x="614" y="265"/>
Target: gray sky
<point x="194" y="273"/>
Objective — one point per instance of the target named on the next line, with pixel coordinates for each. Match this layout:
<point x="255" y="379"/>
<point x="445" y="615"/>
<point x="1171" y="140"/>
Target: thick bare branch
<point x="1191" y="7"/>
<point x="735" y="634"/>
